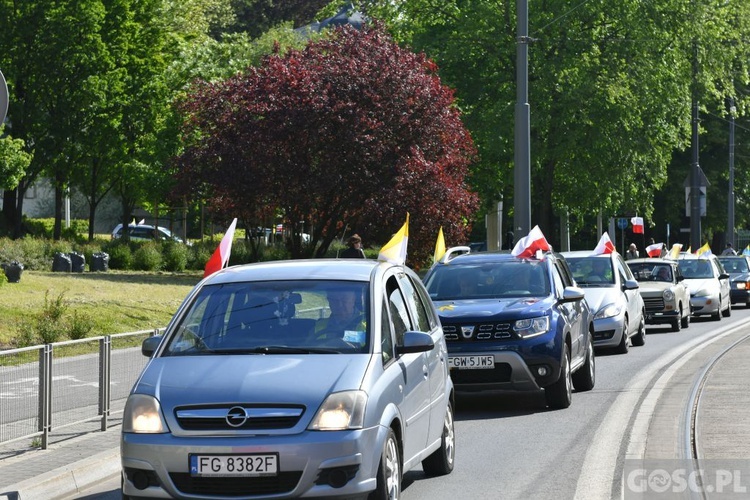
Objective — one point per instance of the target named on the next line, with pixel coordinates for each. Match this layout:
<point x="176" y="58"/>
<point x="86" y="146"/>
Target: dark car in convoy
<point x="738" y="268"/>
<point x="514" y="324"/>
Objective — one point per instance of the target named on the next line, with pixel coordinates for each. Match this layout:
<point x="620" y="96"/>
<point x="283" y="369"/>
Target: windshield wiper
<point x="279" y="349"/>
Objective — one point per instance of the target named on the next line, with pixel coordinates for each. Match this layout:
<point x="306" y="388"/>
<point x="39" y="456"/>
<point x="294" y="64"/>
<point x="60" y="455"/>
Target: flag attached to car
<point x="654" y="250"/>
<point x="637" y="225"/>
<point x="395" y="250"/>
<point x="675" y="252"/>
<point x="529" y="246"/>
<point x="604" y="246"/>
<point x="439" y="246"/>
<point x="220" y="256"/>
<point x="704" y="251"/>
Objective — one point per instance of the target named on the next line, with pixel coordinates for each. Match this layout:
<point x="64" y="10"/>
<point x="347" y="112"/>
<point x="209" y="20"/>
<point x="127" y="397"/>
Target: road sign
<point x="622" y="222"/>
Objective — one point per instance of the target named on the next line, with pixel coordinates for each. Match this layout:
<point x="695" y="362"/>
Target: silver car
<point x="612" y="293"/>
<point x="314" y="378"/>
<point x="708" y="284"/>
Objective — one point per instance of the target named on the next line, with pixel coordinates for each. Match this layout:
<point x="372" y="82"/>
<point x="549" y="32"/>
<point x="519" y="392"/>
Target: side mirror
<point x="572" y="294"/>
<point x="723" y="276"/>
<point x="630" y="285"/>
<point x="680" y="278"/>
<point x="148" y="347"/>
<point x="415" y="342"/>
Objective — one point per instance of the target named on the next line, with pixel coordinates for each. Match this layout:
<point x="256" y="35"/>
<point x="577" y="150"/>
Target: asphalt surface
<point x="78" y="458"/>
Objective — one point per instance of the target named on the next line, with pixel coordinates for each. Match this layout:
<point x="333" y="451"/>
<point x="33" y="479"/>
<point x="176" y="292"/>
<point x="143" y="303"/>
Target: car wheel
<point x="623" y="346"/>
<point x="686" y="320"/>
<point x="728" y="310"/>
<point x="640" y="336"/>
<point x="677" y="323"/>
<point x="585" y="378"/>
<point x="388" y="485"/>
<point x="560" y="393"/>
<point x="440" y="462"/>
<point x="717" y="315"/>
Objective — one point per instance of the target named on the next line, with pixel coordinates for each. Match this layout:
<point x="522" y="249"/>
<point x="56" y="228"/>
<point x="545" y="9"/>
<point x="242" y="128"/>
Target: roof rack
<point x="454" y="252"/>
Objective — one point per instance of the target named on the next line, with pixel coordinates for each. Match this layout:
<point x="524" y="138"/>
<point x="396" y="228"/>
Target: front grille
<point x="481" y="331"/>
<point x="654" y="304"/>
<point x="501" y="373"/>
<point x="284" y="482"/>
<point x="257" y="417"/>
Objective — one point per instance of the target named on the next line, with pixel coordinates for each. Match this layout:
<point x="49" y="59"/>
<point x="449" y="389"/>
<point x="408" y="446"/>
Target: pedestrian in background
<point x="729" y="250"/>
<point x="632" y="252"/>
<point x="355" y="248"/>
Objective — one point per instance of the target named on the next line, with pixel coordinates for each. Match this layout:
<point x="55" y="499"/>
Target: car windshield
<point x="275" y="317"/>
<point x="592" y="271"/>
<point x="696" y="268"/>
<point x="511" y="278"/>
<point x="647" y="271"/>
<point x="734" y="266"/>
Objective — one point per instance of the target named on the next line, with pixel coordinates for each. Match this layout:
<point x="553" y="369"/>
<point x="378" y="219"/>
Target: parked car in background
<point x="514" y="324"/>
<point x="708" y="284"/>
<point x="664" y="292"/>
<point x="738" y="269"/>
<point x="612" y="294"/>
<point x="146" y="232"/>
<point x="314" y="378"/>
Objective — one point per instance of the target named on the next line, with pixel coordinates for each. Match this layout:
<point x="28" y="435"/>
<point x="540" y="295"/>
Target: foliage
<point x="80" y="325"/>
<point x="175" y="256"/>
<point x="148" y="257"/>
<point x="351" y="131"/>
<point x="120" y="255"/>
<point x="13" y="160"/>
<point x="257" y="16"/>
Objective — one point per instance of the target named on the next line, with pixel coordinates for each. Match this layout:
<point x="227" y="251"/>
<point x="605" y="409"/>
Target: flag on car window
<point x="395" y="250"/>
<point x="439" y="246"/>
<point x="220" y="256"/>
<point x="746" y="251"/>
<point x="604" y="246"/>
<point x="637" y="225"/>
<point x="704" y="251"/>
<point x="529" y="246"/>
<point x="675" y="252"/>
<point x="654" y="250"/>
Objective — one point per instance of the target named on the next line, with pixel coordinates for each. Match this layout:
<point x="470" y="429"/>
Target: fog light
<point x="541" y="371"/>
<point x="140" y="480"/>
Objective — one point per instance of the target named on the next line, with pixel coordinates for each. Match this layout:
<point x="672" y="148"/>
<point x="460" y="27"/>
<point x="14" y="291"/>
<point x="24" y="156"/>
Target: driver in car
<point x="346" y="321"/>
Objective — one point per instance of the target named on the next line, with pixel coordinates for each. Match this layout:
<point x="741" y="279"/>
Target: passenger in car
<point x="346" y="321"/>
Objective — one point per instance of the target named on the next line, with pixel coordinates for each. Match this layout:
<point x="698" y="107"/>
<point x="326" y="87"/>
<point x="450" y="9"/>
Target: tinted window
<point x="415" y="305"/>
<point x="397" y="309"/>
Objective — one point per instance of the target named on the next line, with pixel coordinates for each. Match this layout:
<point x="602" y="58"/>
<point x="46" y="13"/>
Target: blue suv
<point x="514" y="324"/>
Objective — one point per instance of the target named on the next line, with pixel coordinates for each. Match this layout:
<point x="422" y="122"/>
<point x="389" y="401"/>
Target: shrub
<point x="49" y="325"/>
<point x="175" y="256"/>
<point x="148" y="257"/>
<point x="80" y="326"/>
<point x="120" y="256"/>
<point x="199" y="255"/>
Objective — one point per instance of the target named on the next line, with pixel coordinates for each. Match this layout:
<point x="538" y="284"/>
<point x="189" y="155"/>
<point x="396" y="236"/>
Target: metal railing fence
<point x="54" y="386"/>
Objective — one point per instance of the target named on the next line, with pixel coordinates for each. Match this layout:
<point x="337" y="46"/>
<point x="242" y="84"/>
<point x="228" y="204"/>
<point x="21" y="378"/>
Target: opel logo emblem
<point x="467" y="331"/>
<point x="236" y="416"/>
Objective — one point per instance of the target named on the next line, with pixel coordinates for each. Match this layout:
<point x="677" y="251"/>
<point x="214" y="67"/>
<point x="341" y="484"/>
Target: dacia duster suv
<point x="513" y="323"/>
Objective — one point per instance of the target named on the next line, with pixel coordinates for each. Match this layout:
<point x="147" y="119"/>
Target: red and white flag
<point x="654" y="250"/>
<point x="604" y="246"/>
<point x="527" y="247"/>
<point x="220" y="256"/>
<point x="637" y="225"/>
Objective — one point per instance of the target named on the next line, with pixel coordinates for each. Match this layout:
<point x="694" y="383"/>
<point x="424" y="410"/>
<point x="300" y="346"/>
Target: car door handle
<point x="425" y="371"/>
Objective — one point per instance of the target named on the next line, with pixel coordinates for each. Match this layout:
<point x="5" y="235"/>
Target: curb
<point x="68" y="480"/>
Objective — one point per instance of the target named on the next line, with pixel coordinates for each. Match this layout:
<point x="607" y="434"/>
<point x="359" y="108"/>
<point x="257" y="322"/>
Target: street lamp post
<point x="522" y="156"/>
<point x="730" y="212"/>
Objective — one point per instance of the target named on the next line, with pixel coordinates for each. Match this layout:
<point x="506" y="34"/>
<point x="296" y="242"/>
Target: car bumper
<point x="304" y="461"/>
<point x="608" y="332"/>
<point x="739" y="296"/>
<point x="661" y="317"/>
<point x="704" y="305"/>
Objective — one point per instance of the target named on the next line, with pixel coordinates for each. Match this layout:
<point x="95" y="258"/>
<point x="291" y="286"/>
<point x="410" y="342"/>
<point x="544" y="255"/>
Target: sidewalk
<point x="75" y="459"/>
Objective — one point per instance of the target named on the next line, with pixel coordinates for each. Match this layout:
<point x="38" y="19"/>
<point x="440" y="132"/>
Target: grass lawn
<point x="116" y="301"/>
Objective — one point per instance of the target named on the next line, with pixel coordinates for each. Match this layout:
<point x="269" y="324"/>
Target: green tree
<point x="13" y="161"/>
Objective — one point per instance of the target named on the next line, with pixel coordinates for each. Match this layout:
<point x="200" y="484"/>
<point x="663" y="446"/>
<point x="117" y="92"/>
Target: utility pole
<point x="522" y="156"/>
<point x="730" y="212"/>
<point x="695" y="169"/>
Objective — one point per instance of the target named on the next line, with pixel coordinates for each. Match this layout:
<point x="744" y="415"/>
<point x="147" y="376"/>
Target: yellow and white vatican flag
<point x="439" y="246"/>
<point x="395" y="250"/>
<point x="675" y="252"/>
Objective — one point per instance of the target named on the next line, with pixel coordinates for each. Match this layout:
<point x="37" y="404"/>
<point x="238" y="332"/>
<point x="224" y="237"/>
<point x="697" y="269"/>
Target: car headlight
<point x="531" y="327"/>
<point x="340" y="411"/>
<point x="742" y="285"/>
<point x="608" y="311"/>
<point x="668" y="294"/>
<point x="143" y="415"/>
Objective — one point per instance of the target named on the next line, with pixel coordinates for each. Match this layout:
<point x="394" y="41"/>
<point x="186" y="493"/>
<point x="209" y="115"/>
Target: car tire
<point x="728" y="311"/>
<point x="441" y="461"/>
<point x="388" y="486"/>
<point x="624" y="345"/>
<point x="677" y="323"/>
<point x="717" y="315"/>
<point x="686" y="320"/>
<point x="585" y="378"/>
<point x="560" y="394"/>
<point x="640" y="336"/>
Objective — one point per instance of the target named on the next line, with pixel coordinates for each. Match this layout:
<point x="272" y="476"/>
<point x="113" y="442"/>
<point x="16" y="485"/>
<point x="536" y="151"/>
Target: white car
<point x="708" y="284"/>
<point x="613" y="296"/>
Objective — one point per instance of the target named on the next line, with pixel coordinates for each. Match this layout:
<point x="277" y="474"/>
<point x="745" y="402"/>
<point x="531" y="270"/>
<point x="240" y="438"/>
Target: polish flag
<point x="527" y="247"/>
<point x="654" y="250"/>
<point x="637" y="225"/>
<point x="220" y="256"/>
<point x="604" y="246"/>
